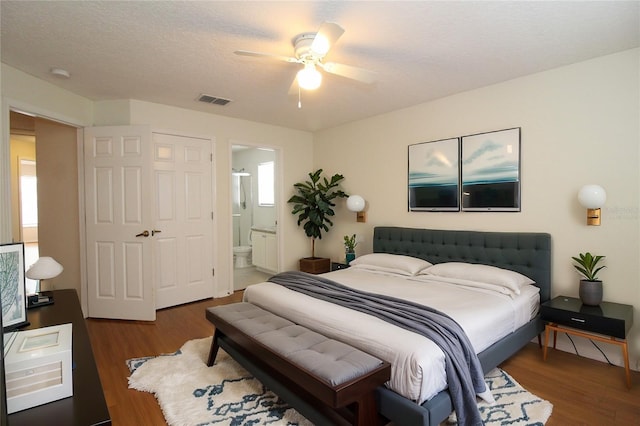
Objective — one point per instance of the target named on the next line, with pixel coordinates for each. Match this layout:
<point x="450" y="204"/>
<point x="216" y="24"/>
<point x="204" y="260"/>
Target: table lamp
<point x="45" y="268"/>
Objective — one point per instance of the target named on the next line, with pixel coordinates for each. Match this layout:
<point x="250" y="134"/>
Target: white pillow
<point x="467" y="283"/>
<point x="481" y="273"/>
<point x="395" y="263"/>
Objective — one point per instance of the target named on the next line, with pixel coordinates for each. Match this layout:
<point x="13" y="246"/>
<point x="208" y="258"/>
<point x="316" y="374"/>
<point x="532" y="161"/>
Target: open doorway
<point x="45" y="196"/>
<point x="254" y="214"/>
<point x="24" y="195"/>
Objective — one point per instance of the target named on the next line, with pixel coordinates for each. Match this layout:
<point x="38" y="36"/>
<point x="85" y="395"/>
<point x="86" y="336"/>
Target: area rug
<point x="190" y="393"/>
<point x="513" y="404"/>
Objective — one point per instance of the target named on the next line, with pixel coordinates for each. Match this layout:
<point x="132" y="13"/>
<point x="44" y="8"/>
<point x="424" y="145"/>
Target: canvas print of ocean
<point x="491" y="171"/>
<point x="434" y="178"/>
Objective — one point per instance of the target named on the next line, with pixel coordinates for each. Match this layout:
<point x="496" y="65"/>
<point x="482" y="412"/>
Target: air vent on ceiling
<point x="213" y="100"/>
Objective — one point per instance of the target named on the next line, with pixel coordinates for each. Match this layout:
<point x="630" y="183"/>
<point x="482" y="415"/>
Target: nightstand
<point x="609" y="323"/>
<point x="337" y="265"/>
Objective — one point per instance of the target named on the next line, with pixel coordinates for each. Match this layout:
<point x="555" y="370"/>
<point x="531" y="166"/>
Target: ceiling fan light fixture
<point x="309" y="78"/>
<point x="320" y="45"/>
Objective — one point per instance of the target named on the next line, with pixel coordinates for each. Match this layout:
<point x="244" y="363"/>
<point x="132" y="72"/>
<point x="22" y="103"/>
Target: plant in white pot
<point x="590" y="287"/>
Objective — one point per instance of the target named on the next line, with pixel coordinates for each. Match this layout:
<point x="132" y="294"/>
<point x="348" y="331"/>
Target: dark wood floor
<point x="583" y="391"/>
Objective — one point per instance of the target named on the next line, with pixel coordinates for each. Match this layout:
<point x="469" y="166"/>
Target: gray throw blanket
<point x="463" y="370"/>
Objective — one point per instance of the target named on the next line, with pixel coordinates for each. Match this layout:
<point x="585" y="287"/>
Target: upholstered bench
<point x="325" y="370"/>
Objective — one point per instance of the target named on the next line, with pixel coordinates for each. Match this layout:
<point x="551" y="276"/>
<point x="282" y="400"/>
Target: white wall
<point x="30" y="94"/>
<point x="296" y="149"/>
<point x="580" y="125"/>
<point x="33" y="95"/>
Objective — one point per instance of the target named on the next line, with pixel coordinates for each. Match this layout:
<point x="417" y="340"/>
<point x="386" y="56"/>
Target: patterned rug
<point x="190" y="393"/>
<point x="513" y="405"/>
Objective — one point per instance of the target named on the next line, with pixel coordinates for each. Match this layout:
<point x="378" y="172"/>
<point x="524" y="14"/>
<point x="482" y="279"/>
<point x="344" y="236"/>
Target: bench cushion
<point x="330" y="360"/>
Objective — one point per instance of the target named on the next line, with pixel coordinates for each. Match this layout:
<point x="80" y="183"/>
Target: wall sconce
<point x="592" y="197"/>
<point x="356" y="203"/>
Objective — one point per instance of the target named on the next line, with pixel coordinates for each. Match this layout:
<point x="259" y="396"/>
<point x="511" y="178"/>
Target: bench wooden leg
<point x="213" y="352"/>
<point x="366" y="410"/>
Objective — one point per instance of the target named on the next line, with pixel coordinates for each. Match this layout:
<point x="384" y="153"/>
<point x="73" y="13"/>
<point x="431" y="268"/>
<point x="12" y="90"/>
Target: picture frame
<point x="434" y="175"/>
<point x="490" y="168"/>
<point x="12" y="286"/>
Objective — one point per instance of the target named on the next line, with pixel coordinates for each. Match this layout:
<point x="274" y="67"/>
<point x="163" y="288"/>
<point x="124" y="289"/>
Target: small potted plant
<point x="350" y="247"/>
<point x="590" y="287"/>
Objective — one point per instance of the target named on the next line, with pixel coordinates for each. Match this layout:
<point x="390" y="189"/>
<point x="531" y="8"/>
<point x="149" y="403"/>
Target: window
<point x="266" y="195"/>
<point x="28" y="193"/>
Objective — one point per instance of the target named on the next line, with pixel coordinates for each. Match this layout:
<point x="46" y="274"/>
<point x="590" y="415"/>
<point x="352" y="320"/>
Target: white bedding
<point x="417" y="371"/>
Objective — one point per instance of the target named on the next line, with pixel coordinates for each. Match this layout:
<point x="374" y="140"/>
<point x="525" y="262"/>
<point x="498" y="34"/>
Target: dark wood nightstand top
<point x="87" y="406"/>
<point x="337" y="265"/>
<point x="612" y="319"/>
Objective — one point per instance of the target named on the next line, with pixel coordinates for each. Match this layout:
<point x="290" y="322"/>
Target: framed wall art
<point x="434" y="176"/>
<point x="12" y="286"/>
<point x="490" y="164"/>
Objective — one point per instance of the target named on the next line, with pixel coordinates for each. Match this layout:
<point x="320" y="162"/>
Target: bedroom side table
<point x="338" y="265"/>
<point x="609" y="323"/>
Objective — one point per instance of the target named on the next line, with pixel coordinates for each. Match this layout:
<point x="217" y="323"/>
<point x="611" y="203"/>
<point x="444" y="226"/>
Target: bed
<point x="524" y="253"/>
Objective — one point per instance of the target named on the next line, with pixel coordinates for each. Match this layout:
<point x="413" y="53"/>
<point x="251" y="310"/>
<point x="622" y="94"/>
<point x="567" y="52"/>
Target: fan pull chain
<point x="299" y="101"/>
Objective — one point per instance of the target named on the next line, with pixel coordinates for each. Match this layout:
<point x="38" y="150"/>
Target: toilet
<point x="241" y="254"/>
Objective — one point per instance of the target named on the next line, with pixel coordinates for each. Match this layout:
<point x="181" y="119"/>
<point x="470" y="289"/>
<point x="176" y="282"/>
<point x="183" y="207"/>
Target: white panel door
<point x="183" y="217"/>
<point x="118" y="212"/>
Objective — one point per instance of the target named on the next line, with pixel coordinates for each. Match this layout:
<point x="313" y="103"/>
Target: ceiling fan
<point x="310" y="50"/>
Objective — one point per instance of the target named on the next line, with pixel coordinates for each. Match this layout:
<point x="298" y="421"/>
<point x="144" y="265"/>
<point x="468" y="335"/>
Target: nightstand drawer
<point x="610" y="319"/>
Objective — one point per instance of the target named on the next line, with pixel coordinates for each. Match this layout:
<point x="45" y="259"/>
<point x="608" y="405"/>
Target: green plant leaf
<point x="586" y="265"/>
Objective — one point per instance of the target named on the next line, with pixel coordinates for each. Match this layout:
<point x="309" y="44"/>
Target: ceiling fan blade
<point x="327" y="35"/>
<point x="351" y="72"/>
<point x="267" y="56"/>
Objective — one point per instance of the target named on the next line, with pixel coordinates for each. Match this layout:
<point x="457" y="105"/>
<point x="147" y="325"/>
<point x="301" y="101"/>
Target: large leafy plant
<point x="587" y="265"/>
<point x="314" y="203"/>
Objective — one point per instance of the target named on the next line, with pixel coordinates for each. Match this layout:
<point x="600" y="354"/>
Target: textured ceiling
<point x="170" y="52"/>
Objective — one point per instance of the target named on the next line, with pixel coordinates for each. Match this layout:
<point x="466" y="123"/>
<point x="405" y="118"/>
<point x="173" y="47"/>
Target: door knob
<point x="143" y="234"/>
<point x="155" y="231"/>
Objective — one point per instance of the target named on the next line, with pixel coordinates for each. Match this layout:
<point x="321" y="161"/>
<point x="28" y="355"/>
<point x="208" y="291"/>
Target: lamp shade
<point x="44" y="269"/>
<point x="309" y="78"/>
<point x="592" y="196"/>
<point x="355" y="203"/>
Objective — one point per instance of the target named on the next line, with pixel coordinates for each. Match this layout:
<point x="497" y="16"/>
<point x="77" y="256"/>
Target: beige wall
<point x="580" y="125"/>
<point x="58" y="209"/>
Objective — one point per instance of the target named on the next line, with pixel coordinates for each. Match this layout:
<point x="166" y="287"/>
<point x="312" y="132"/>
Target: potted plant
<point x="314" y="203"/>
<point x="590" y="287"/>
<point x="350" y="247"/>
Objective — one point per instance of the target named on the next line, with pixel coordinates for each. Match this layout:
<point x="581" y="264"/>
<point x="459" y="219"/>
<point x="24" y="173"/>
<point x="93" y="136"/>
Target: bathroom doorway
<point x="254" y="214"/>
